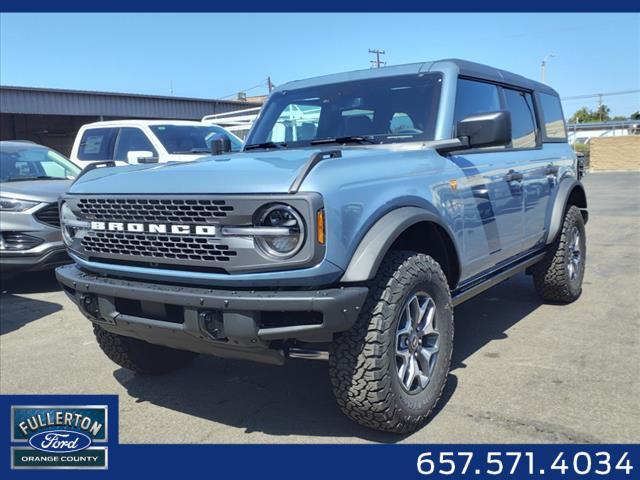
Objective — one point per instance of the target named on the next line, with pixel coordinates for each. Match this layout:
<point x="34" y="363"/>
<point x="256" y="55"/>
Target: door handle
<point x="551" y="170"/>
<point x="513" y="176"/>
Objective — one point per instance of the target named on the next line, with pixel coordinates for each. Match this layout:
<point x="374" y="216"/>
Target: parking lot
<point x="522" y="371"/>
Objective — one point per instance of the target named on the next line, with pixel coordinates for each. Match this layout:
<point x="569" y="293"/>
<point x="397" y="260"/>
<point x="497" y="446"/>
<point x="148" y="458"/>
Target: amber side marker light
<point x="320" y="226"/>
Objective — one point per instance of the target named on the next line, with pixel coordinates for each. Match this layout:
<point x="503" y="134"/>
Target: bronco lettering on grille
<point x="205" y="230"/>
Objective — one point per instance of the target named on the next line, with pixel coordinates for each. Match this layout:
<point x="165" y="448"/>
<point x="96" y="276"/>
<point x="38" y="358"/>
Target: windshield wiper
<point x="34" y="177"/>
<point x="253" y="146"/>
<point x="193" y="150"/>
<point x="347" y="139"/>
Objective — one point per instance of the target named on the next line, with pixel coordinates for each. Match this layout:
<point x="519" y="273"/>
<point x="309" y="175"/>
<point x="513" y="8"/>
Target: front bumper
<point x="14" y="262"/>
<point x="228" y="323"/>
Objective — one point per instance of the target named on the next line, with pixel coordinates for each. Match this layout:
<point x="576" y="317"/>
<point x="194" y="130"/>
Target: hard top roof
<point x="463" y="67"/>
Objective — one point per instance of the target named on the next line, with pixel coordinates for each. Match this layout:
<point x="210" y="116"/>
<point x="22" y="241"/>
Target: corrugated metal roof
<point x="46" y="101"/>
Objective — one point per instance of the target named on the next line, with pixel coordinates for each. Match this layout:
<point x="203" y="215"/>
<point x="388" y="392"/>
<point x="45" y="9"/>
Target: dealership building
<point x="52" y="117"/>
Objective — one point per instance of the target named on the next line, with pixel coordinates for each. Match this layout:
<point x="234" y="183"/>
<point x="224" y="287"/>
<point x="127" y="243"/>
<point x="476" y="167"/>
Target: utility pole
<point x="269" y="84"/>
<point x="543" y="67"/>
<point x="377" y="63"/>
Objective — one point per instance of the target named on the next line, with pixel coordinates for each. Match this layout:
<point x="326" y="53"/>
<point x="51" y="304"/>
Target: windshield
<point x="34" y="162"/>
<point x="183" y="139"/>
<point x="385" y="110"/>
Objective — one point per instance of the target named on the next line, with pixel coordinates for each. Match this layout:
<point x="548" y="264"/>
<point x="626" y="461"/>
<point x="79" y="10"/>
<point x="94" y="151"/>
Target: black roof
<point x="485" y="72"/>
<point x="464" y="68"/>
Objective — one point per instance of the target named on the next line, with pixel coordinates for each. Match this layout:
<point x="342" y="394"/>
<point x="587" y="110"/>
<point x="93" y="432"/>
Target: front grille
<point x="49" y="215"/>
<point x="154" y="210"/>
<point x="160" y="247"/>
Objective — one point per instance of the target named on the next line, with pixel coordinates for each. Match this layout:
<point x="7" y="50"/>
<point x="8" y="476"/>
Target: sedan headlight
<point x="8" y="204"/>
<point x="282" y="230"/>
<point x="71" y="225"/>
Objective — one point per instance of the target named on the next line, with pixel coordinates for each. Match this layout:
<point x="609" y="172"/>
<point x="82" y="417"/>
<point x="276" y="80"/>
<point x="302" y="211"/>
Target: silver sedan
<point x="32" y="177"/>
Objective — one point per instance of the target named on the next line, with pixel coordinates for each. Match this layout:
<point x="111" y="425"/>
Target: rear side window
<point x="132" y="139"/>
<point x="554" y="127"/>
<point x="475" y="97"/>
<point x="523" y="125"/>
<point x="97" y="144"/>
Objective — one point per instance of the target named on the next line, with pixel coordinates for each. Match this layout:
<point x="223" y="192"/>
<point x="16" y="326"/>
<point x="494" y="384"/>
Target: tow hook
<point x="89" y="305"/>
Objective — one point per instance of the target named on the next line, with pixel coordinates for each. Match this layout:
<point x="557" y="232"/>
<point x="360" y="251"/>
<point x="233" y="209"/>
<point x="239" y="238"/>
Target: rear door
<point x="531" y="162"/>
<point x="493" y="225"/>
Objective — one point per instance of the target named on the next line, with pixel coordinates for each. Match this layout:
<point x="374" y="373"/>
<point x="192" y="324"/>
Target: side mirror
<point x="141" y="156"/>
<point x="220" y="144"/>
<point x="485" y="130"/>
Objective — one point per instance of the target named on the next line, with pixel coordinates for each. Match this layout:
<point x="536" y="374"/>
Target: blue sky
<point x="215" y="55"/>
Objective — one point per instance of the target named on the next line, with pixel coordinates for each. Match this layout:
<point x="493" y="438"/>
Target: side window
<point x="131" y="139"/>
<point x="475" y="97"/>
<point x="96" y="144"/>
<point x="553" y="118"/>
<point x="523" y="126"/>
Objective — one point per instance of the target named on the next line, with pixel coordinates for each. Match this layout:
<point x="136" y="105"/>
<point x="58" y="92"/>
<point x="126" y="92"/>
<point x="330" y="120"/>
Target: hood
<point x="46" y="191"/>
<point x="251" y="172"/>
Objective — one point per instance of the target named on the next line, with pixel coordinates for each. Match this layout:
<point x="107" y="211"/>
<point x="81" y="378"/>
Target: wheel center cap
<point x="413" y="342"/>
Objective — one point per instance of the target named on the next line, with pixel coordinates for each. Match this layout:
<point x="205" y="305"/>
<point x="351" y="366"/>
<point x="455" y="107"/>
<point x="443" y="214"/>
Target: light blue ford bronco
<point x="363" y="208"/>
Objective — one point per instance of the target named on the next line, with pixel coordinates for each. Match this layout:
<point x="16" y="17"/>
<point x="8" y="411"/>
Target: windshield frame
<point x="261" y="133"/>
<point x="50" y="155"/>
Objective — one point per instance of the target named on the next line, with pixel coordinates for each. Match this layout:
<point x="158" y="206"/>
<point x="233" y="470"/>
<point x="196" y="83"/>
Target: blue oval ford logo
<point x="60" y="441"/>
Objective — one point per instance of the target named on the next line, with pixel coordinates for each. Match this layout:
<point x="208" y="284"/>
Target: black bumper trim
<point x="339" y="306"/>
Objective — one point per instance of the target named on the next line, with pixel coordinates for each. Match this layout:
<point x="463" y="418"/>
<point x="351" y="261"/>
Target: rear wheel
<point x="388" y="371"/>
<point x="140" y="356"/>
<point x="558" y="277"/>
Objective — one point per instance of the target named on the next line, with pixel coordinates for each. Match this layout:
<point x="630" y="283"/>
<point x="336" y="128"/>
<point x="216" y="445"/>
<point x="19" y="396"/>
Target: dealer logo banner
<point x="59" y="437"/>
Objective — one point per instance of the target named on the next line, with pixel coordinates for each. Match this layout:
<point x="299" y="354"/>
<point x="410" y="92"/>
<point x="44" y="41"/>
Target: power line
<point x="600" y="95"/>
<point x="266" y="82"/>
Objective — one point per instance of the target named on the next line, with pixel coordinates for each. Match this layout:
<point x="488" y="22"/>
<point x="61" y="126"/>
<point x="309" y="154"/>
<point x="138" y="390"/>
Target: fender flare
<point x="565" y="188"/>
<point x="378" y="240"/>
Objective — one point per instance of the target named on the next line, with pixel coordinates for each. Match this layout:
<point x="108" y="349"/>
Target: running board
<point x="499" y="276"/>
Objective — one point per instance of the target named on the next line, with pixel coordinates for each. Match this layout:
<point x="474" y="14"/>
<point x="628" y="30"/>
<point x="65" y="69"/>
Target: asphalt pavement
<point x="522" y="371"/>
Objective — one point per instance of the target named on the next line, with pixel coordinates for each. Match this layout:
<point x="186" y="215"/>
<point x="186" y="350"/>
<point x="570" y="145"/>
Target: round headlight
<point x="289" y="221"/>
<point x="67" y="220"/>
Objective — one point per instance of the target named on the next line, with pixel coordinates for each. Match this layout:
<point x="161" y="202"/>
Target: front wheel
<point x="388" y="371"/>
<point x="558" y="276"/>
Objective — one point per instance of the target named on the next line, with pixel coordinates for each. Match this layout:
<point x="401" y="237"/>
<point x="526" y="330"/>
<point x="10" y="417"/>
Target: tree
<point x="635" y="115"/>
<point x="583" y="115"/>
<point x="586" y="115"/>
<point x="602" y="113"/>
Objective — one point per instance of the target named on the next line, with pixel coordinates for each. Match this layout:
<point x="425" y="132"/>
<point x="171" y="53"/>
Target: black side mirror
<point x="491" y="129"/>
<point x="220" y="144"/>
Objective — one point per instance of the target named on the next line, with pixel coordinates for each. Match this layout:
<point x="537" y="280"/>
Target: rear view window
<point x="96" y="144"/>
<point x="553" y="119"/>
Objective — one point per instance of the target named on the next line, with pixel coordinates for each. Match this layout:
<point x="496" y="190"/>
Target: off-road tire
<point x="139" y="356"/>
<point x="551" y="275"/>
<point x="362" y="360"/>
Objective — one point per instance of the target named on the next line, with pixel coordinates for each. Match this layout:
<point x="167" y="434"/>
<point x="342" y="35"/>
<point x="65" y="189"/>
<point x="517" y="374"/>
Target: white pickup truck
<point x="146" y="141"/>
